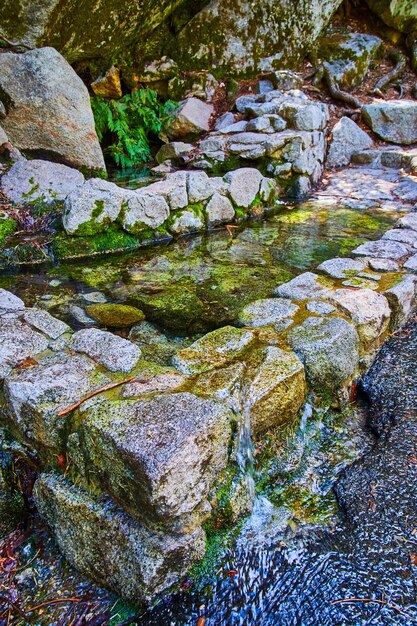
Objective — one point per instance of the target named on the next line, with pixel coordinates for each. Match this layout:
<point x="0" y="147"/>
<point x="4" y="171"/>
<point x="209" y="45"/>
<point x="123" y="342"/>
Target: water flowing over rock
<point x="36" y="88"/>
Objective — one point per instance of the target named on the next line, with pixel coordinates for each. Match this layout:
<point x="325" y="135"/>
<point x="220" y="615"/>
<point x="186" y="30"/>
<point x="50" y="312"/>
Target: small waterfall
<point x="245" y="446"/>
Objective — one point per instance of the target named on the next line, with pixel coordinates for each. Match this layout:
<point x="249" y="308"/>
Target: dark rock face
<point x="234" y="36"/>
<point x="401" y="14"/>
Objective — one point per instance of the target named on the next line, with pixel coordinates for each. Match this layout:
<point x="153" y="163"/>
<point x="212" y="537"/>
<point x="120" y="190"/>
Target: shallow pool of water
<point x="199" y="283"/>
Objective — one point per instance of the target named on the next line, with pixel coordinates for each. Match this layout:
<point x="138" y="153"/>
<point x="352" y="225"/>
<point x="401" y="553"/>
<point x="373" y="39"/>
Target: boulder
<point x="329" y="350"/>
<point x="191" y="119"/>
<point x="402" y="300"/>
<point x="104" y="543"/>
<point x="32" y="182"/>
<point x="214" y="350"/>
<point x="368" y="310"/>
<point x="18" y="342"/>
<point x="250" y="38"/>
<point x="158" y="457"/>
<point x="267" y="311"/>
<point x="244" y="185"/>
<point x="173" y="151"/>
<point x="347" y="138"/>
<point x="108" y="85"/>
<point x="45" y="322"/>
<point x="112" y="351"/>
<point x="411" y="264"/>
<point x="143" y="210"/>
<point x="348" y="56"/>
<point x="10" y="302"/>
<point x="219" y="210"/>
<point x="383" y="249"/>
<point x="37" y="394"/>
<point x="392" y="120"/>
<point x="187" y="222"/>
<point x="91" y="208"/>
<point x="115" y="315"/>
<point x="303" y="287"/>
<point x="173" y="189"/>
<point x="200" y="187"/>
<point x="403" y="235"/>
<point x="407" y="221"/>
<point x="401" y="15"/>
<point x="342" y="267"/>
<point x="277" y="389"/>
<point x="48" y="112"/>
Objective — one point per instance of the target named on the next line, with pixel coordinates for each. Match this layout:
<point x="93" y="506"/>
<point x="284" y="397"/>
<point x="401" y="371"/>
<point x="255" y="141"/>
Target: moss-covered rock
<point x="115" y="315"/>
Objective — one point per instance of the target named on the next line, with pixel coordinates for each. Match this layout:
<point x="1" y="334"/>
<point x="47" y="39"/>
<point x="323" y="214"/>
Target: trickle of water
<point x="245" y="447"/>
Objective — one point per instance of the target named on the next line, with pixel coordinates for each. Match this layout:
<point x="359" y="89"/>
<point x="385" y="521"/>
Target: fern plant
<point x="126" y="124"/>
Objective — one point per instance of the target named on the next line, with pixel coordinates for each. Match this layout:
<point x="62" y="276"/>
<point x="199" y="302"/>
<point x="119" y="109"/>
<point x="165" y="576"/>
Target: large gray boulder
<point x="48" y="112"/>
<point x="399" y="14"/>
<point x="37" y="181"/>
<point x="158" y="457"/>
<point x="393" y="120"/>
<point x="246" y="38"/>
<point x="347" y="138"/>
<point x="104" y="543"/>
<point x="329" y="349"/>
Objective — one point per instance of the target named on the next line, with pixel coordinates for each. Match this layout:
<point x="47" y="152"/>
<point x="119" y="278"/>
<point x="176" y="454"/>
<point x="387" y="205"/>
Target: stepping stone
<point x="303" y="287"/>
<point x="408" y="221"/>
<point x="384" y="248"/>
<point x="411" y="264"/>
<point x="329" y="349"/>
<point x="393" y="120"/>
<point x="383" y="265"/>
<point x="342" y="267"/>
<point x="114" y="352"/>
<point x="18" y="342"/>
<point x="10" y="302"/>
<point x="368" y="310"/>
<point x="321" y="308"/>
<point x="402" y="300"/>
<point x="403" y="235"/>
<point x="43" y="321"/>
<point x="267" y="311"/>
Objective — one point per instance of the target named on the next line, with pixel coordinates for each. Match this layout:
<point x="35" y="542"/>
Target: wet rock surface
<point x="369" y="553"/>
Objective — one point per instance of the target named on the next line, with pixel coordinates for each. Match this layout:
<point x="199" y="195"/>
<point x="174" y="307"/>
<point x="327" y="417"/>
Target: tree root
<point x="337" y="93"/>
<point x="14" y="45"/>
<point x="384" y="82"/>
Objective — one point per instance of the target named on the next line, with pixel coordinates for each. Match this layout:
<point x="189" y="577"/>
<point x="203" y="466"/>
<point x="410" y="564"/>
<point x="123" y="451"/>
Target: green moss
<point x="7" y="227"/>
<point x="112" y="240"/>
<point x="115" y="315"/>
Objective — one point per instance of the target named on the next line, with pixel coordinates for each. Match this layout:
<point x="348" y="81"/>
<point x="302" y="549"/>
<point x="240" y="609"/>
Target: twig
<point x="14" y="44"/>
<point x="97" y="391"/>
<point x="391" y="606"/>
<point x="56" y="601"/>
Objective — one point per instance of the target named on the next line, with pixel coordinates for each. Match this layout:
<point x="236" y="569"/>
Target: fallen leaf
<point x="28" y="362"/>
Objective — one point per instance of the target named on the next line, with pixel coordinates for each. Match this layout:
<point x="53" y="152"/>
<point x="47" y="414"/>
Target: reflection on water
<point x="201" y="283"/>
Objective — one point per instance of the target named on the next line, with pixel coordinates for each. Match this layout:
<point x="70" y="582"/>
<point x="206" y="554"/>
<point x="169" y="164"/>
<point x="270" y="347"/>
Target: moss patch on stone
<point x="115" y="315"/>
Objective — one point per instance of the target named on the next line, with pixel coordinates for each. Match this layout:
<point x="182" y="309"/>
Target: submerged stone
<point x="158" y="457"/>
<point x="267" y="311"/>
<point x="329" y="350"/>
<point x="104" y="543"/>
<point x="115" y="315"/>
<point x="214" y="350"/>
<point x="368" y="310"/>
<point x="277" y="389"/>
<point x="112" y="351"/>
